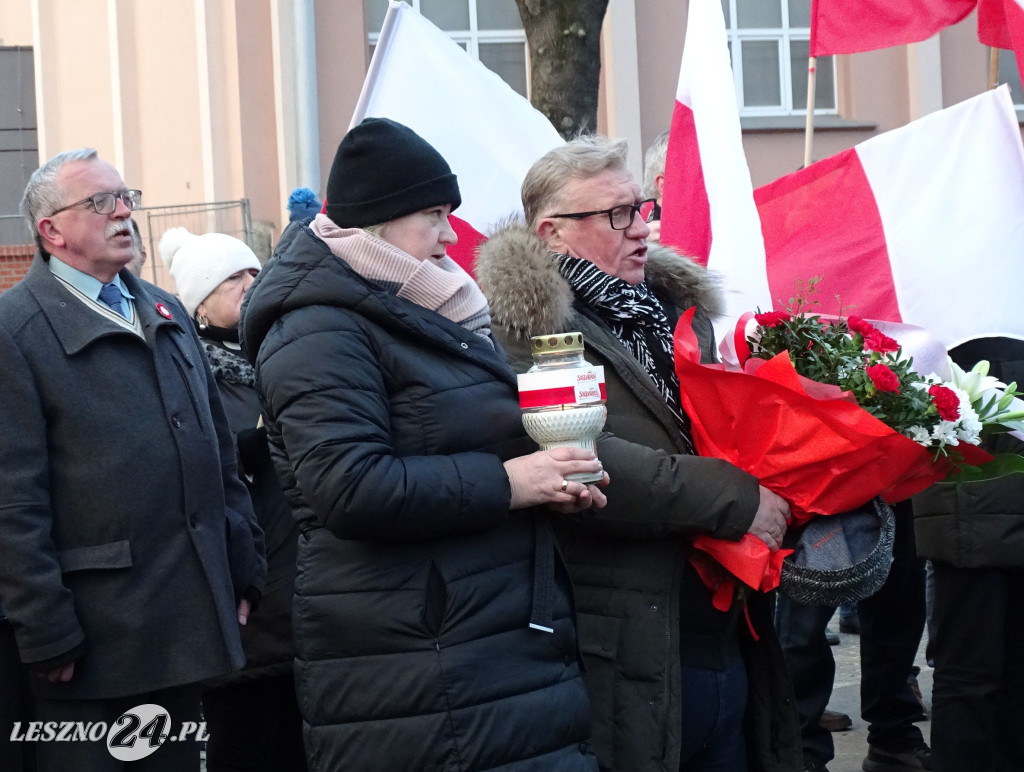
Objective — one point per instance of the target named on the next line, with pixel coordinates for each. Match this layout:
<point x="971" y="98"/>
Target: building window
<point x="769" y="41"/>
<point x="489" y="30"/>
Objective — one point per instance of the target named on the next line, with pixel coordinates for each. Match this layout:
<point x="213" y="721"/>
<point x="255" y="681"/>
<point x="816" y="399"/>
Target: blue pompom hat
<point x="303" y="203"/>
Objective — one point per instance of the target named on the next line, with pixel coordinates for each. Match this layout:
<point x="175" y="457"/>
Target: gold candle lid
<point x="562" y="342"/>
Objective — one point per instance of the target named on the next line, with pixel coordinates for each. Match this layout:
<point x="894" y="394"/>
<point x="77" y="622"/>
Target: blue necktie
<point x="110" y="295"/>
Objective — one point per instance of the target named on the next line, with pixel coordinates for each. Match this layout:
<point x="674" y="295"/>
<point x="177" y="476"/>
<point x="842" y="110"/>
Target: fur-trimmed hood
<point x="528" y="295"/>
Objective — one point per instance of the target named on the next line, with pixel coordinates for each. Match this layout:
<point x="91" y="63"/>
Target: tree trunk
<point x="564" y="38"/>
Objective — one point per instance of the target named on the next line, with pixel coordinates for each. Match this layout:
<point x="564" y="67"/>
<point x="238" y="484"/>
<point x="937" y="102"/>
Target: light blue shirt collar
<point x="88" y="285"/>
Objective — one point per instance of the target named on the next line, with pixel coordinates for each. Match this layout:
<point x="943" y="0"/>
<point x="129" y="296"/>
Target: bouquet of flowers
<point x="829" y="413"/>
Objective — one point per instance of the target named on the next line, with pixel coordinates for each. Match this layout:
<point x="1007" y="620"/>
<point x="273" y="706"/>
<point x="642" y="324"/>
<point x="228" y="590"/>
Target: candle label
<point x="571" y="386"/>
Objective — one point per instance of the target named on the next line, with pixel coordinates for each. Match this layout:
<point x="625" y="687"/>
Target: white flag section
<point x="487" y="133"/>
<point x="923" y="224"/>
<point x="708" y="209"/>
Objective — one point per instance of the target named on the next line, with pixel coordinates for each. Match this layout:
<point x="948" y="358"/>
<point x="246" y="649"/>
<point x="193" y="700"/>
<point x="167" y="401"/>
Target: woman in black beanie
<point x="433" y="618"/>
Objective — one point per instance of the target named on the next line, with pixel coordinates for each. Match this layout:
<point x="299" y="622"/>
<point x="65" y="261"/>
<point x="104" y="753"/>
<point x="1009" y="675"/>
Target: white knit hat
<point x="199" y="264"/>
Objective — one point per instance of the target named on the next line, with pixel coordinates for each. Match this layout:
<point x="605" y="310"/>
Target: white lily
<point x="976" y="381"/>
<point x="993" y="401"/>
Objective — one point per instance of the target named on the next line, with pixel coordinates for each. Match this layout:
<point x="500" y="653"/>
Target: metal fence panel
<point x="230" y="217"/>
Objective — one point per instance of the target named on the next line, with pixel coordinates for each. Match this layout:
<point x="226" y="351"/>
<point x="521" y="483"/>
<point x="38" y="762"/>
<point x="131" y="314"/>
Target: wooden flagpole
<point x="993" y="67"/>
<point x="812" y="71"/>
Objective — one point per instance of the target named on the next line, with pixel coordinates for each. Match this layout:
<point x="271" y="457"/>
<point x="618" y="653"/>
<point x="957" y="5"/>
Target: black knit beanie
<point x="384" y="170"/>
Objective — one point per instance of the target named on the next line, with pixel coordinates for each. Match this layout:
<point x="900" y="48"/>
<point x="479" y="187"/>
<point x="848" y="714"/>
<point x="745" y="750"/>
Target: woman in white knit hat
<point x="252" y="716"/>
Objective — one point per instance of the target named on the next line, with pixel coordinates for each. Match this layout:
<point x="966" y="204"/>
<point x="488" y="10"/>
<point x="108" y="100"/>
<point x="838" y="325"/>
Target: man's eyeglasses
<point x="619" y="217"/>
<point x="105" y="203"/>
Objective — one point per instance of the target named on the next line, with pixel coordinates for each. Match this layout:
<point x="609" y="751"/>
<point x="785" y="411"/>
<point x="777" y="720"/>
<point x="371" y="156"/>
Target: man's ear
<point x="550" y="233"/>
<point x="659" y="184"/>
<point x="50" y="234"/>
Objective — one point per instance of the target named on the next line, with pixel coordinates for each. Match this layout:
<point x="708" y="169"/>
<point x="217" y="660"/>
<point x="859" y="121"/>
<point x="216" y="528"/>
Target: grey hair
<point x="654" y="163"/>
<point x="580" y="158"/>
<point x="43" y="194"/>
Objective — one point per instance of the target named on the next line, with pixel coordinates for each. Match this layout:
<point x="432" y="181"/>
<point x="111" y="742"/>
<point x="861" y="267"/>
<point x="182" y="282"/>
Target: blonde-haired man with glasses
<point x="129" y="553"/>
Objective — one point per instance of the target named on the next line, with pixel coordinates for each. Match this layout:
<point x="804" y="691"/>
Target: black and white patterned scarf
<point x="636" y="318"/>
<point x="226" y="365"/>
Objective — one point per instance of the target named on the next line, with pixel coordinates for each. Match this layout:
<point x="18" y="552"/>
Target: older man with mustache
<point x="129" y="553"/>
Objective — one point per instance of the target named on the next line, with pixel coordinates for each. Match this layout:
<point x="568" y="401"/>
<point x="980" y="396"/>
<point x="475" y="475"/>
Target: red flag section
<point x="686" y="223"/>
<point x="851" y="26"/>
<point x="1001" y="25"/>
<point x="464" y="253"/>
<point x="803" y="229"/>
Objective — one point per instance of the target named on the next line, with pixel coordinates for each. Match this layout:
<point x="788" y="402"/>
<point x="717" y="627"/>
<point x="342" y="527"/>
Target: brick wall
<point x="14" y="263"/>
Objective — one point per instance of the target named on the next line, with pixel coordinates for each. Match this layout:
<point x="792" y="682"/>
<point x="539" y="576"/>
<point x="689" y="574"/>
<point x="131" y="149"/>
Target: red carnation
<point x="877" y="341"/>
<point x="772" y="318"/>
<point x="856" y="324"/>
<point x="946" y="401"/>
<point x="883" y="378"/>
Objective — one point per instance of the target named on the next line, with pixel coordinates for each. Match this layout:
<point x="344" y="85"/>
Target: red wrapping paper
<point x="806" y="441"/>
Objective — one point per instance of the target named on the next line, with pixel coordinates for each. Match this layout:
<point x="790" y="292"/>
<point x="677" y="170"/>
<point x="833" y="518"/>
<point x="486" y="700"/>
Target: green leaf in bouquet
<point x="1002" y="465"/>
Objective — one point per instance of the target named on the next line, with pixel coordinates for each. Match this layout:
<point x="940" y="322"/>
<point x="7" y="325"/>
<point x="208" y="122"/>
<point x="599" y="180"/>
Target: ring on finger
<point x="565" y="485"/>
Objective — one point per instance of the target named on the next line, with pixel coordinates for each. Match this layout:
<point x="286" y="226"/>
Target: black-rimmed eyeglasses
<point x="105" y="203"/>
<point x="619" y="217"/>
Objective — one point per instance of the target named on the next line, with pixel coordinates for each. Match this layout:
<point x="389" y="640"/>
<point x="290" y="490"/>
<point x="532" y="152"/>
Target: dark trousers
<point x="713" y="707"/>
<point x="15" y="704"/>
<point x="977" y="711"/>
<point x="254" y="726"/>
<point x="181" y="703"/>
<point x="892" y="621"/>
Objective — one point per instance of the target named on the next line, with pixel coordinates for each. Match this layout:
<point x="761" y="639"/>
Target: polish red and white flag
<point x="488" y="133"/>
<point x="1001" y="25"/>
<point x="708" y="209"/>
<point x="851" y="26"/>
<point x="923" y="224"/>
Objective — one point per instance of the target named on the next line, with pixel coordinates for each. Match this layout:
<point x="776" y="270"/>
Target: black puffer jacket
<point x="978" y="525"/>
<point x="628" y="560"/>
<point x="416" y="585"/>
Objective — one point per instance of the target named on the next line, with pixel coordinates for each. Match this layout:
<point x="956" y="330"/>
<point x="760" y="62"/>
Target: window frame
<point x="783" y="36"/>
<point x="470" y="39"/>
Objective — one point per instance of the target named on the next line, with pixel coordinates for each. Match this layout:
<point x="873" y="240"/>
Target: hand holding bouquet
<point x="829" y="414"/>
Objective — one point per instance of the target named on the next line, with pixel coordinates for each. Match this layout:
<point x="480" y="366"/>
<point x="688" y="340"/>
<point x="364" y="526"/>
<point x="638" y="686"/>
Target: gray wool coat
<point x="124" y="530"/>
<point x="627" y="560"/>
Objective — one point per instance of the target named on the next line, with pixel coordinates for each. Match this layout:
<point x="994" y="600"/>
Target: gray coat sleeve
<point x="32" y="592"/>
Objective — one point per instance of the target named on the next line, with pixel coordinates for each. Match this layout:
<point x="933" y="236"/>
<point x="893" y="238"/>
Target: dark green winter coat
<point x="627" y="560"/>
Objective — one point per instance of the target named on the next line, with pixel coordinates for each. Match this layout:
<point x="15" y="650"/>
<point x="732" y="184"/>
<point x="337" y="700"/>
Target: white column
<point x="38" y="52"/>
<point x="924" y="77"/>
<point x="117" y="110"/>
<point x="209" y="192"/>
<point x="306" y="112"/>
<point x="284" y="95"/>
<point x="622" y="79"/>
